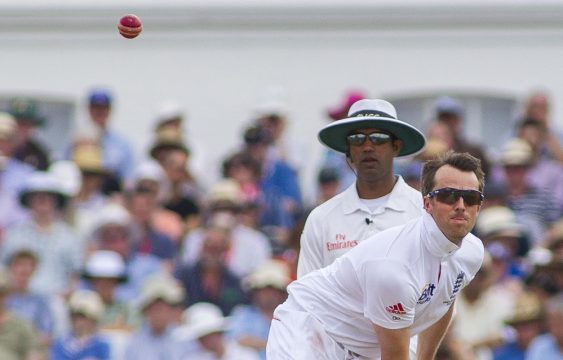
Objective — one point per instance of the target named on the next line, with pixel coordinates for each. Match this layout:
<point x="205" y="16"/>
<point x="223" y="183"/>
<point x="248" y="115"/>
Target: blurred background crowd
<point x="109" y="256"/>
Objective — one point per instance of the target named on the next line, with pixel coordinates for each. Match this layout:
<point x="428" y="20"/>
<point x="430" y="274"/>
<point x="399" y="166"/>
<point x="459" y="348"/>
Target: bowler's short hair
<point x="460" y="161"/>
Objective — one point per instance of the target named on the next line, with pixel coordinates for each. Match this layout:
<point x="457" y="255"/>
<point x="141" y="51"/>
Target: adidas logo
<point x="396" y="309"/>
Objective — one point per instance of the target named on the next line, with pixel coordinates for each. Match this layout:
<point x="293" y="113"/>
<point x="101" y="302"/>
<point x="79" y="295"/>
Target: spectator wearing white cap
<point x="249" y="248"/>
<point x="250" y="324"/>
<point x="17" y="337"/>
<point x="84" y="341"/>
<point x="112" y="231"/>
<point x="204" y="323"/>
<point x="12" y="171"/>
<point x="103" y="272"/>
<point x="58" y="248"/>
<point x="159" y="299"/>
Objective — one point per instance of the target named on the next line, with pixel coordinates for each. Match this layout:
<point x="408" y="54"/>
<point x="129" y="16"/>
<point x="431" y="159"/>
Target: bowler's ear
<point x="427" y="205"/>
<point x="397" y="146"/>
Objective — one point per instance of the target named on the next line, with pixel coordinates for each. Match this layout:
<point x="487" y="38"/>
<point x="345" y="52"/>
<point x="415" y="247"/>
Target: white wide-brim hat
<point x="373" y="113"/>
<point x="42" y="182"/>
<point x="105" y="264"/>
<point x="201" y="319"/>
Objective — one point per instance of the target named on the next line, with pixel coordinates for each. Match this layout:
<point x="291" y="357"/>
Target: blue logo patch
<point x="427" y="293"/>
<point x="457" y="286"/>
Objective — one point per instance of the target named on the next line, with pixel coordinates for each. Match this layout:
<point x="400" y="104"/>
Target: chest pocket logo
<point x="427" y="293"/>
<point x="457" y="286"/>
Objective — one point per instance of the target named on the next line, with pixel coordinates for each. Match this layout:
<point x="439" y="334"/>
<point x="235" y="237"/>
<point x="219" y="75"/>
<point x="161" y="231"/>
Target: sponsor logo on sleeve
<point x="396" y="309"/>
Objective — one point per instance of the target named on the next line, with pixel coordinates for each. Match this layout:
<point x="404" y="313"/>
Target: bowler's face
<point x="456" y="220"/>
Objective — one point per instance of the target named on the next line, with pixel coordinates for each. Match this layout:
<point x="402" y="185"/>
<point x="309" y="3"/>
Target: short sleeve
<point x="390" y="293"/>
<point x="311" y="254"/>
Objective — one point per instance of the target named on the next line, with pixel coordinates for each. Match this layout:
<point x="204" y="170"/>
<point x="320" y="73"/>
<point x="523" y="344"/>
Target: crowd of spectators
<point x="106" y="256"/>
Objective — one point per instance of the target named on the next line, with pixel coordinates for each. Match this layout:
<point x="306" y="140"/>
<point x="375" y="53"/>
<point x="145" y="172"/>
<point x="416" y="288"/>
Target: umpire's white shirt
<point x="339" y="224"/>
<point x="405" y="276"/>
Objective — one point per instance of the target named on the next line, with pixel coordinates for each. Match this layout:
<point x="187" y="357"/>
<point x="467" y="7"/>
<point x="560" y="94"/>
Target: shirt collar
<point x="434" y="239"/>
<point x="396" y="199"/>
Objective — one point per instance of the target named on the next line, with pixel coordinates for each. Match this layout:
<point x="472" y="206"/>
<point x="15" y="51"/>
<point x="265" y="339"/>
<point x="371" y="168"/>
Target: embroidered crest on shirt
<point x="457" y="286"/>
<point x="427" y="293"/>
<point x="341" y="243"/>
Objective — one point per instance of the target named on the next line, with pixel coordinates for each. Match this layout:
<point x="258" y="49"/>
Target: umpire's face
<point x="372" y="159"/>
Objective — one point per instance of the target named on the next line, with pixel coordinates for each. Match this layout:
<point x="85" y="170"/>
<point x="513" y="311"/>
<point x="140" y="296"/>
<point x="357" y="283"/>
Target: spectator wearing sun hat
<point x="548" y="345"/>
<point x="498" y="224"/>
<point x="250" y="324"/>
<point x="160" y="297"/>
<point x="526" y="322"/>
<point x="103" y="271"/>
<point x="84" y="342"/>
<point x="58" y="248"/>
<point x="534" y="207"/>
<point x="29" y="150"/>
<point x="205" y="324"/>
<point x="12" y="171"/>
<point x="371" y="136"/>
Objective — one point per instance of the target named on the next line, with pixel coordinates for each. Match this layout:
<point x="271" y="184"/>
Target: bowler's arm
<point x="394" y="343"/>
<point x="430" y="339"/>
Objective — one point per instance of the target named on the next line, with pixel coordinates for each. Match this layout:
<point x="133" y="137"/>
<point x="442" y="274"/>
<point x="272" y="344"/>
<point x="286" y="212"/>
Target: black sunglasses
<point x="375" y="138"/>
<point x="450" y="196"/>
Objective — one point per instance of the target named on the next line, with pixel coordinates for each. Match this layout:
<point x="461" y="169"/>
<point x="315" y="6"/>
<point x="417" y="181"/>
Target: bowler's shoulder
<point x="471" y="252"/>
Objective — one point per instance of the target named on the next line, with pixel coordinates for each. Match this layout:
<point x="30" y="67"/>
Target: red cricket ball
<point x="130" y="26"/>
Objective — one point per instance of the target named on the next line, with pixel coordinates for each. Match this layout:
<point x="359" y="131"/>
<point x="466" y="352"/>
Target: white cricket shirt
<point x="339" y="224"/>
<point x="405" y="276"/>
